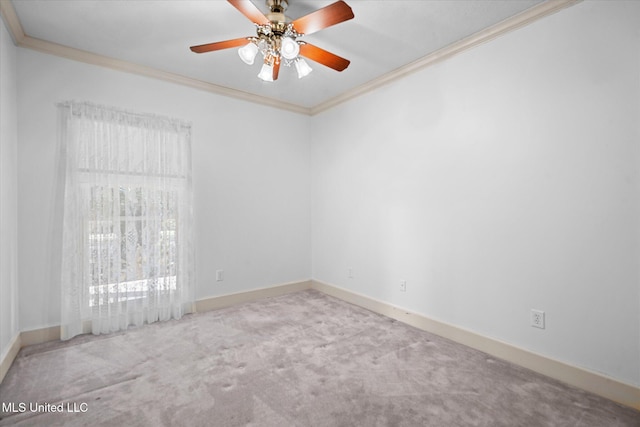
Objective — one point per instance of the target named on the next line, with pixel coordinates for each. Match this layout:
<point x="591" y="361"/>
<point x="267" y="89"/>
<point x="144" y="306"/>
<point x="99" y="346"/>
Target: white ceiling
<point x="384" y="36"/>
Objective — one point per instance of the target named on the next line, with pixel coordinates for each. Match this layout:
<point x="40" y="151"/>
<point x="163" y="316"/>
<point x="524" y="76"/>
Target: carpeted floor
<point x="302" y="359"/>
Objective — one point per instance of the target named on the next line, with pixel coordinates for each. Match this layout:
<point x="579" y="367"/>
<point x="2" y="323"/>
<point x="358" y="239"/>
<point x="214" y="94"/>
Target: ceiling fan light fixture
<point x="277" y="36"/>
<point x="289" y="49"/>
<point x="248" y="53"/>
<point x="266" y="72"/>
<point x="302" y="68"/>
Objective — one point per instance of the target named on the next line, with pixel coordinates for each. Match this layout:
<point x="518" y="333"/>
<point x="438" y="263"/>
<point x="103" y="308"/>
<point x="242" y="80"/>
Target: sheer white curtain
<point x="127" y="252"/>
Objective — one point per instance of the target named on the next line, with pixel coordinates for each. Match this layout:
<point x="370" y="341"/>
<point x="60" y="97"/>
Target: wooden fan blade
<point x="276" y="70"/>
<point x="323" y="57"/>
<point x="209" y="47"/>
<point x="250" y="10"/>
<point x="333" y="14"/>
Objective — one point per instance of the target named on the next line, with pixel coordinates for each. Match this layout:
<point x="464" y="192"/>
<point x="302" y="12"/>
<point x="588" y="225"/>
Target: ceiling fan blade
<point x="333" y="14"/>
<point x="276" y="70"/>
<point x="323" y="57"/>
<point x="250" y="10"/>
<point x="210" y="47"/>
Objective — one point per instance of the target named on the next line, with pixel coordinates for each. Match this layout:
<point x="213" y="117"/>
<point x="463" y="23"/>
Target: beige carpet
<point x="303" y="359"/>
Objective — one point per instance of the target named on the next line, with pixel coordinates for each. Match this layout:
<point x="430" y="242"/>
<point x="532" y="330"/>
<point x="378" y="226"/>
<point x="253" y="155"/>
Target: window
<point x="127" y="275"/>
<point x="126" y="244"/>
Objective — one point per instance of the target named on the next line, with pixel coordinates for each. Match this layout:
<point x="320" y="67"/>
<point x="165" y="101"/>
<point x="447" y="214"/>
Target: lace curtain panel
<point x="127" y="251"/>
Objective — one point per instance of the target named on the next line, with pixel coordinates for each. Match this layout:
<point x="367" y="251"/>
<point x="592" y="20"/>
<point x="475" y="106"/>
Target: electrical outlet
<point x="537" y="318"/>
<point x="403" y="286"/>
<point x="350" y="273"/>
<point x="219" y="275"/>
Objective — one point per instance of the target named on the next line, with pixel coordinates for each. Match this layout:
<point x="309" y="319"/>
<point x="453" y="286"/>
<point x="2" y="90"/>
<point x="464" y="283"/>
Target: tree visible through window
<point x="146" y="262"/>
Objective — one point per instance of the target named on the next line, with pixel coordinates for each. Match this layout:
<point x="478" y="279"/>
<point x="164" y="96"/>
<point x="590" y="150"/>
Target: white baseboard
<point x="10" y="355"/>
<point x="599" y="384"/>
<point x="52" y="333"/>
<point x="214" y="303"/>
<point x="38" y="336"/>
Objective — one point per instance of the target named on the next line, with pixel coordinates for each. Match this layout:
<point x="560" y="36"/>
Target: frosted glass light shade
<point x="248" y="53"/>
<point x="302" y="68"/>
<point x="266" y="73"/>
<point x="289" y="48"/>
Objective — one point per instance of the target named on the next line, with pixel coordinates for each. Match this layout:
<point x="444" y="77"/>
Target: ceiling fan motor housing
<point x="272" y="34"/>
<point x="276" y="15"/>
<point x="277" y="6"/>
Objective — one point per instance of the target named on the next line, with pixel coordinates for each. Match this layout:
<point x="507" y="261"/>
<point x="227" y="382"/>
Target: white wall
<point x="251" y="185"/>
<point x="8" y="192"/>
<point x="498" y="181"/>
<point x="501" y="180"/>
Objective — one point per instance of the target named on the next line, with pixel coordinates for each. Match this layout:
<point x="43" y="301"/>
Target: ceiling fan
<point x="277" y="36"/>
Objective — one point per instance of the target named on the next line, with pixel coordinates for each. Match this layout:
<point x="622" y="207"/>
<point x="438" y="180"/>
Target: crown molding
<point x="517" y="21"/>
<point x="12" y="21"/>
<point x="23" y="40"/>
<point x="133" y="68"/>
<point x="528" y="16"/>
